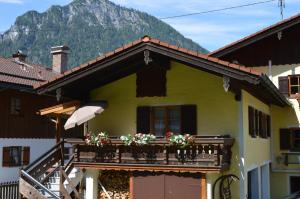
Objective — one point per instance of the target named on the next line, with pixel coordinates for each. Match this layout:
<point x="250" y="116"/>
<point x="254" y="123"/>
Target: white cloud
<point x="12" y="1"/>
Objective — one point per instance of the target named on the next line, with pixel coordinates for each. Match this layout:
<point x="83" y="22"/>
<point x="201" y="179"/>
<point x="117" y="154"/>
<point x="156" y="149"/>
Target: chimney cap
<point x="59" y="49"/>
<point x="19" y="53"/>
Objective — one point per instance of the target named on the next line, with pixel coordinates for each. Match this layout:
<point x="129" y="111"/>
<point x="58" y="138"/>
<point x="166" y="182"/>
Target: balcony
<point x="291" y="158"/>
<point x="207" y="154"/>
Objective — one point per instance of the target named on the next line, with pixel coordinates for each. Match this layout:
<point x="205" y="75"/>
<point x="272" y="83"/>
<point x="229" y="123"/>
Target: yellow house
<point x="153" y="87"/>
<point x="274" y="51"/>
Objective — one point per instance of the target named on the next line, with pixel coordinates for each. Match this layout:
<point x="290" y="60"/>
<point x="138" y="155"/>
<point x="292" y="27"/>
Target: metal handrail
<point x="45" y="155"/>
<point x="70" y="161"/>
<point x="29" y="177"/>
<point x="50" y="174"/>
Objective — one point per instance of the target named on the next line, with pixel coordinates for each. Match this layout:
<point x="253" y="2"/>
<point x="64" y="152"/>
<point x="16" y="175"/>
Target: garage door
<point x="166" y="186"/>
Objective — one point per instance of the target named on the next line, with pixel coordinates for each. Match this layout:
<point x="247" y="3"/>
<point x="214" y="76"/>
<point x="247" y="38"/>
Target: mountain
<point x="88" y="27"/>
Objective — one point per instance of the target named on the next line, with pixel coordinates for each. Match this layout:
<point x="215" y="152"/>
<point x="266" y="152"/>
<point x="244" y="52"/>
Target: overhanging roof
<point x="273" y="29"/>
<point x="127" y="59"/>
<point x="66" y="108"/>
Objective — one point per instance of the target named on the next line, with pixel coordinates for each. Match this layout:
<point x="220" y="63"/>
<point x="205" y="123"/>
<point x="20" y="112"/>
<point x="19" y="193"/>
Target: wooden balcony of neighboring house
<point x="207" y="154"/>
<point x="291" y="158"/>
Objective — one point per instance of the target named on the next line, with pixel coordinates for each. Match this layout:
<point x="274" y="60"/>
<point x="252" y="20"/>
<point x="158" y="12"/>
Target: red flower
<point x="169" y="134"/>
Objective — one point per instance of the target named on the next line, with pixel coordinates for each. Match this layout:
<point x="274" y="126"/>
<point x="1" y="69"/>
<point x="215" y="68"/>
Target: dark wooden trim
<point x="142" y="167"/>
<point x="203" y="64"/>
<point x="254" y="38"/>
<point x="210" y="154"/>
<point x="16" y="87"/>
<point x="187" y="59"/>
<point x="253" y="83"/>
<point x="91" y="69"/>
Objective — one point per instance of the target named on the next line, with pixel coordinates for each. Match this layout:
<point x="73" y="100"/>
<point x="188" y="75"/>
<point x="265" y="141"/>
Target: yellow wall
<point x="217" y="111"/>
<point x="282" y="118"/>
<point x="256" y="150"/>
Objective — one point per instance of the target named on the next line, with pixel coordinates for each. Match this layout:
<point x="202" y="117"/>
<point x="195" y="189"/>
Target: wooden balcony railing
<point x="207" y="154"/>
<point x="291" y="158"/>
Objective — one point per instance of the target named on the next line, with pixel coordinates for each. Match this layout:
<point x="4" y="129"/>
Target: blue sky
<point x="211" y="30"/>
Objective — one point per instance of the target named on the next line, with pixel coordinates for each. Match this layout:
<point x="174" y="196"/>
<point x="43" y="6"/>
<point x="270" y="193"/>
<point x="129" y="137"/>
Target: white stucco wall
<point x="280" y="70"/>
<point x="37" y="148"/>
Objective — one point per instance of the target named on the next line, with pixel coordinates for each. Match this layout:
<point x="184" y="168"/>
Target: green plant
<point x="99" y="139"/>
<point x="180" y="140"/>
<point x="137" y="139"/>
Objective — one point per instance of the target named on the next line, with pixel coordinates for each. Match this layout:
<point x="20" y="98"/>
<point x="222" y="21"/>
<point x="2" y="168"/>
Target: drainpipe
<point x="270" y="70"/>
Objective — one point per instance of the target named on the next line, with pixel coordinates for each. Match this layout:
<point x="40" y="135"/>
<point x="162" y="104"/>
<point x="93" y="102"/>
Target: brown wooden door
<point x="166" y="187"/>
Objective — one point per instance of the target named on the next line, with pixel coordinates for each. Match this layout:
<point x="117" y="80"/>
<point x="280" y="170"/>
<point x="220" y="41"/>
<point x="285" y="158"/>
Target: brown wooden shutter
<point x="143" y="119"/>
<point x="251" y="121"/>
<point x="189" y="119"/>
<point x="151" y="81"/>
<point x="6" y="157"/>
<point x="285" y="139"/>
<point x="26" y="155"/>
<point x="256" y="122"/>
<point x="283" y="83"/>
<point x="260" y="124"/>
<point x="268" y="126"/>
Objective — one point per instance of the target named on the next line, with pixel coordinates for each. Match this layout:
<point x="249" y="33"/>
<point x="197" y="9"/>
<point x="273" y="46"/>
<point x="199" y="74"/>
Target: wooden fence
<point x="9" y="190"/>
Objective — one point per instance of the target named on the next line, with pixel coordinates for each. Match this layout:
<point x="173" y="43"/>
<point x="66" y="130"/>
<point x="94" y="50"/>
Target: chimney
<point x="59" y="58"/>
<point x="19" y="56"/>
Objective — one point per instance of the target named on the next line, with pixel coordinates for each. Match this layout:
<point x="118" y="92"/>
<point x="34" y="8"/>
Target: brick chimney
<point x="59" y="58"/>
<point x="19" y="56"/>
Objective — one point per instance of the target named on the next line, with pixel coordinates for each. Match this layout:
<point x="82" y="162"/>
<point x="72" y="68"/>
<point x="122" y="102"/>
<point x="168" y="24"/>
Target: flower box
<point x="145" y="154"/>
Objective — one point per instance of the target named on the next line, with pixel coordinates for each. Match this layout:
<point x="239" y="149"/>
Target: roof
<point x="107" y="68"/>
<point x="21" y="73"/>
<point x="147" y="39"/>
<point x="277" y="27"/>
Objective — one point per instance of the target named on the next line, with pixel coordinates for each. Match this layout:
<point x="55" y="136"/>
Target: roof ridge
<point x="148" y="39"/>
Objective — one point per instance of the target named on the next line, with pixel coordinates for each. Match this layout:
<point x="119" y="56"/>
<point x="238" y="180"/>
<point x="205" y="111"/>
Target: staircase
<point x="50" y="176"/>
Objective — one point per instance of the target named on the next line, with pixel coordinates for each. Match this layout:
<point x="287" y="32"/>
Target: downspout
<point x="270" y="70"/>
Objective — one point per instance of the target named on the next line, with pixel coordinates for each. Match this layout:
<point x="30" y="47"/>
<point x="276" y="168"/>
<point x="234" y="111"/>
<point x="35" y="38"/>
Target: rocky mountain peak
<point x="88" y="27"/>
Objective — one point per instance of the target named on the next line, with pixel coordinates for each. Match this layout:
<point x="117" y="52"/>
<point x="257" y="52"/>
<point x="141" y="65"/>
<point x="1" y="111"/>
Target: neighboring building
<point x="153" y="87"/>
<point x="24" y="135"/>
<point x="275" y="52"/>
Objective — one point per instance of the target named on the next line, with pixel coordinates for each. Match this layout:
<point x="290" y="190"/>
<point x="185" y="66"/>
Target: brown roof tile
<point x="23" y="73"/>
<point x="148" y="39"/>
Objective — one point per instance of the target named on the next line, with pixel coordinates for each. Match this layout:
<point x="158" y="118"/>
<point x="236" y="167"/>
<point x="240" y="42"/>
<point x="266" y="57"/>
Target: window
<point x="259" y="123"/>
<point x="294" y="85"/>
<point x="15" y="106"/>
<point x="161" y="119"/>
<point x="15" y="156"/>
<point x="290" y="139"/>
<point x="294" y="184"/>
<point x="289" y="85"/>
<point x="165" y="119"/>
<point x="253" y="184"/>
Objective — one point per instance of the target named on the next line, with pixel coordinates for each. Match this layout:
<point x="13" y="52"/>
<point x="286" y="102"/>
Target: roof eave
<point x="256" y="37"/>
<point x="279" y="98"/>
